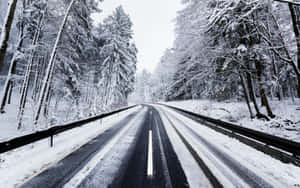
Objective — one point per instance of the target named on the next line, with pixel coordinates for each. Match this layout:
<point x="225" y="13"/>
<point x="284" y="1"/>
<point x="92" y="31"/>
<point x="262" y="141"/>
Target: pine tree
<point x="119" y="58"/>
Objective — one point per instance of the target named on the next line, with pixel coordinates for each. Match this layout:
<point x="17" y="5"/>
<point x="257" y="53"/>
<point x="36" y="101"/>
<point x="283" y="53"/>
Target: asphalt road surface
<point x="145" y="156"/>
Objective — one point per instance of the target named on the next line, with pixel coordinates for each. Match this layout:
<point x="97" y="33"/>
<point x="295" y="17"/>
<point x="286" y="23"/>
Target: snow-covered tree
<point x="142" y="88"/>
<point x="69" y="48"/>
<point x="228" y="49"/>
<point x="59" y="58"/>
<point x="119" y="58"/>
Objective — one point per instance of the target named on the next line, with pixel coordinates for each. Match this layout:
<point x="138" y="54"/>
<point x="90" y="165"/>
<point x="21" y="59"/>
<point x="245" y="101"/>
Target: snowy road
<point x="158" y="147"/>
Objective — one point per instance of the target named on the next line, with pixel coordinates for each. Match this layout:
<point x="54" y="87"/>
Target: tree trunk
<point x="5" y="33"/>
<point x="51" y="64"/>
<point x="262" y="90"/>
<point x="10" y="92"/>
<point x="25" y="86"/>
<point x="11" y="70"/>
<point x="47" y="102"/>
<point x="49" y="92"/>
<point x="295" y="22"/>
<point x="246" y="95"/>
<point x="24" y="94"/>
<point x="278" y="88"/>
<point x="36" y="77"/>
<point x="262" y="100"/>
<point x="253" y="97"/>
<point x="41" y="74"/>
<point x="252" y="93"/>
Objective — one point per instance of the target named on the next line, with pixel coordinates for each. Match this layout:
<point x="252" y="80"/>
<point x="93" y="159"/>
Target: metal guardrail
<point x="28" y="139"/>
<point x="281" y="143"/>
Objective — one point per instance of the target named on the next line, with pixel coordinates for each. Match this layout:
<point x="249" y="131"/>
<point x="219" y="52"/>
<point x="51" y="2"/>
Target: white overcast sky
<point x="153" y="26"/>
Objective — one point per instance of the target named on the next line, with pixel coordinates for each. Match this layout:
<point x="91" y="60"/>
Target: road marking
<point x="150" y="156"/>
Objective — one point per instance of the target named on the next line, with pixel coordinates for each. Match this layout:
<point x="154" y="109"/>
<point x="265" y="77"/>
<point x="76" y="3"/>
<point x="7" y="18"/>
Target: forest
<point x="58" y="65"/>
<point x="245" y="50"/>
<point x="166" y="93"/>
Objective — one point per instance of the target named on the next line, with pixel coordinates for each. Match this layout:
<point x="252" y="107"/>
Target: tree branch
<point x="289" y="1"/>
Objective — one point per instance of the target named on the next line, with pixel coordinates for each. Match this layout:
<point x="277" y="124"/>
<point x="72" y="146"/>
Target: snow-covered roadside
<point x="19" y="165"/>
<point x="264" y="166"/>
<point x="8" y="122"/>
<point x="286" y="124"/>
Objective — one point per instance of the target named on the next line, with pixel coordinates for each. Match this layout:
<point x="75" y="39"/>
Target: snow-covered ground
<point x="18" y="165"/>
<point x="8" y="128"/>
<point x="286" y="124"/>
<point x="231" y="155"/>
<point x="57" y="116"/>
